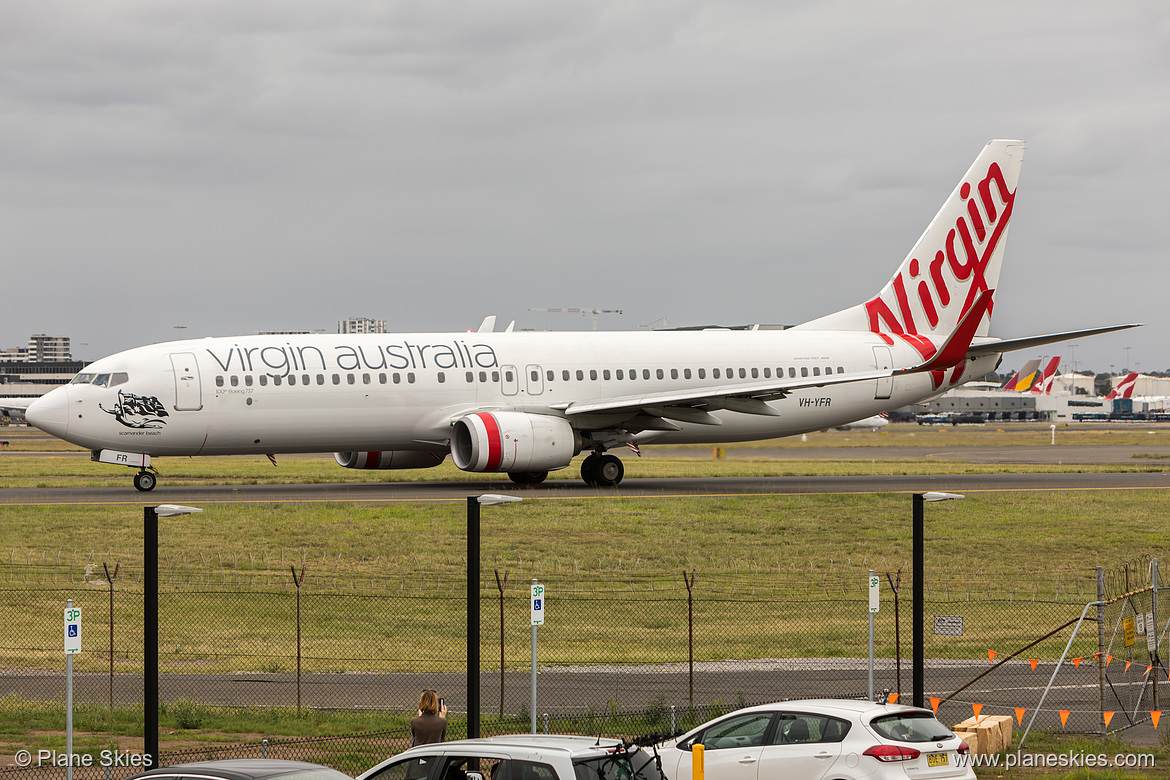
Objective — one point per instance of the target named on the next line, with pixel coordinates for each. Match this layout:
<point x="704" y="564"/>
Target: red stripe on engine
<point x="371" y="460"/>
<point x="495" y="445"/>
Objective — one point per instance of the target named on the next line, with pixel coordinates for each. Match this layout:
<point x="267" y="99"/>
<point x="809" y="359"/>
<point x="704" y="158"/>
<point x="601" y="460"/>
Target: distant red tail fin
<point x="1023" y="376"/>
<point x="1124" y="388"/>
<point x="1043" y="385"/>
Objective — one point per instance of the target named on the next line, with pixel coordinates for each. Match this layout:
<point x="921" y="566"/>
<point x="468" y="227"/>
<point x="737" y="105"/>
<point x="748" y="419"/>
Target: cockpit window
<point x="101" y="380"/>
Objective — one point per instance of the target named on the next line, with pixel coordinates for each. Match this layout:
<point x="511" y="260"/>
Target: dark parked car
<point x="244" y="769"/>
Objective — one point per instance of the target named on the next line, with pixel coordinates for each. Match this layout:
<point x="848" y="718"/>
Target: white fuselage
<point x="268" y="394"/>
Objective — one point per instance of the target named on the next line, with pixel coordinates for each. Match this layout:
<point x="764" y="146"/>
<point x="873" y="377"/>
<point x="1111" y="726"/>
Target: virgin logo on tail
<point x="923" y="291"/>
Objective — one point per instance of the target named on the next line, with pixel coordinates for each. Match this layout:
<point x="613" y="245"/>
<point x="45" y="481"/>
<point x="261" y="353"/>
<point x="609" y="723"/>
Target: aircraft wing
<point x="694" y="405"/>
<point x="14" y="407"/>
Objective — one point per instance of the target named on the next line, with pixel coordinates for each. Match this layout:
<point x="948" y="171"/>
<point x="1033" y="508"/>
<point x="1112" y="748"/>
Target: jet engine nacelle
<point x="391" y="459"/>
<point x="512" y="441"/>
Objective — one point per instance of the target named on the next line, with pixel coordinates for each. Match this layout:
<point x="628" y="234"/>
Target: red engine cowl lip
<point x="512" y="441"/>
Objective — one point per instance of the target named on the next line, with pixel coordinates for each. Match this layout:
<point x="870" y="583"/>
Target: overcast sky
<point x="203" y="167"/>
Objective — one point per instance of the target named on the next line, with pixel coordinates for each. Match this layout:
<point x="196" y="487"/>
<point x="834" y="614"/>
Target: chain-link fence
<point x="619" y="641"/>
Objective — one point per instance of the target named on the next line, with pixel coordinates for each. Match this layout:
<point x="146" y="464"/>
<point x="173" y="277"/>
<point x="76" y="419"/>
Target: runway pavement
<point x="406" y="492"/>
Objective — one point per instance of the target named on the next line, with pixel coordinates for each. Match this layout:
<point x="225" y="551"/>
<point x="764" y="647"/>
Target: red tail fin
<point x="1124" y="388"/>
<point x="1043" y="385"/>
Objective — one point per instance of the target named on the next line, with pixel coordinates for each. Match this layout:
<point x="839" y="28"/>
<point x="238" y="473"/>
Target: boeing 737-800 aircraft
<point x="527" y="403"/>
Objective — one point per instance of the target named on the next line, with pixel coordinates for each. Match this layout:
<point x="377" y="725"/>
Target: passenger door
<point x="535" y="379"/>
<point x="804" y="745"/>
<point x="883" y="360"/>
<point x="732" y="748"/>
<point x="188" y="393"/>
<point x="509" y="380"/>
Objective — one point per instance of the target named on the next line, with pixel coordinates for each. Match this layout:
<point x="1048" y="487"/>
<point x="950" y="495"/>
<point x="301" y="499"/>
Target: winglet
<point x="954" y="349"/>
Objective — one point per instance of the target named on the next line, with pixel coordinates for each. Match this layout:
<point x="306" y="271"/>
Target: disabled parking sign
<point x="72" y="631"/>
<point x="537" y="604"/>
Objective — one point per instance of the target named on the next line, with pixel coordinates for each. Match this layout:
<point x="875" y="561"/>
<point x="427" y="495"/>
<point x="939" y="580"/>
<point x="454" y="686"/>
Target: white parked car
<point x="521" y="757"/>
<point x="833" y="739"/>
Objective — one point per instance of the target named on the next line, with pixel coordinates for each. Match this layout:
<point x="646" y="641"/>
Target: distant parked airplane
<point x="876" y="421"/>
<point x="526" y="403"/>
<point x="1124" y="388"/>
<point x="1043" y="383"/>
<point x="1022" y="379"/>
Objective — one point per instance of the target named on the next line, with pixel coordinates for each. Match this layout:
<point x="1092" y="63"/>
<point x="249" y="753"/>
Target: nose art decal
<point x="137" y="411"/>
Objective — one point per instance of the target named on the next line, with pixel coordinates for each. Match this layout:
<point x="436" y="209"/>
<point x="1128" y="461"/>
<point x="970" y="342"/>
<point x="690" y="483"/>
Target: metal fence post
<point x="110" y="579"/>
<point x="1101" y="646"/>
<point x="298" y="581"/>
<point x="500" y="585"/>
<point x="150" y="636"/>
<point x="897" y="628"/>
<point x="1157" y="633"/>
<point x="919" y="675"/>
<point x="691" y="633"/>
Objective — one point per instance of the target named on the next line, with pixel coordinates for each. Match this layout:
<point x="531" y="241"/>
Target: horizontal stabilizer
<point x="1011" y="345"/>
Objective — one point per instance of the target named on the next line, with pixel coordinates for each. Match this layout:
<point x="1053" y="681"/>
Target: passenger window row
<point x="606" y="375"/>
<point x="319" y="379"/>
<point x="686" y="373"/>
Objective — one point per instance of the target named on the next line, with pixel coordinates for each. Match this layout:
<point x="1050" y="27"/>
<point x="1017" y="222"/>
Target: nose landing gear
<point x="147" y="476"/>
<point x="145" y="480"/>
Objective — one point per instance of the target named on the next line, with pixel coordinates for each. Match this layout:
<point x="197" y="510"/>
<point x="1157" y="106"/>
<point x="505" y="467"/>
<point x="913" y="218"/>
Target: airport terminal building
<point x="996" y="404"/>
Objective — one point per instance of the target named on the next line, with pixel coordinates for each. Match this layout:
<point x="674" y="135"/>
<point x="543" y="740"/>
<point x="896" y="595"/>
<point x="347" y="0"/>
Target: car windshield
<point x="623" y="765"/>
<point x="324" y="773"/>
<point x="910" y="727"/>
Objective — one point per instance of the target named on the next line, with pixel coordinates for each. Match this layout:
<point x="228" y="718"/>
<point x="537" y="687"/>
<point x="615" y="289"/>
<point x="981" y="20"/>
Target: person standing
<point x="430" y="725"/>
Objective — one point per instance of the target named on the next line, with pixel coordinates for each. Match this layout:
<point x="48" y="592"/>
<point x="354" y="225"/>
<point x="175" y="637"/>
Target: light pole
<point x="919" y="591"/>
<point x="150" y="516"/>
<point x="473" y="503"/>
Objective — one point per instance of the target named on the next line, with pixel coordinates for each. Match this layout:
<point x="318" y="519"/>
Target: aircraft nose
<point x="50" y="412"/>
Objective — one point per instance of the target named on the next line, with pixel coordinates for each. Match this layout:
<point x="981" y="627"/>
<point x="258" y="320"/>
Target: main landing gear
<point x="602" y="470"/>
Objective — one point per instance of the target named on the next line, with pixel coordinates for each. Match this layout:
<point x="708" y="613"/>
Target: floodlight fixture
<point x="940" y="496"/>
<point x="490" y="499"/>
<point x="171" y="510"/>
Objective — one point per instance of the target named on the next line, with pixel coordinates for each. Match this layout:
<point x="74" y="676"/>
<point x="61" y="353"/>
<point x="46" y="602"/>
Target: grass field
<point x="766" y="548"/>
<point x="1001" y="545"/>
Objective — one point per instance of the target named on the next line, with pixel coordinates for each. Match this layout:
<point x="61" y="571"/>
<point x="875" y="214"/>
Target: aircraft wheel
<point x="589" y="469"/>
<point x="144" y="481"/>
<point x="527" y="477"/>
<point x="609" y="471"/>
